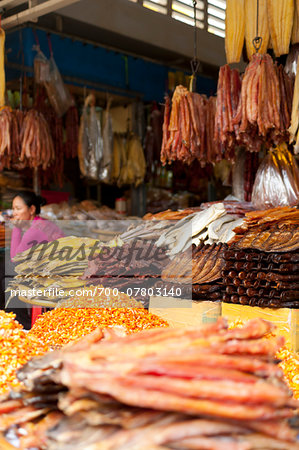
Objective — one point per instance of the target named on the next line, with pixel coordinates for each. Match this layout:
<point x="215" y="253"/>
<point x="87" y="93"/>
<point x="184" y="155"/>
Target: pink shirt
<point x="40" y="230"/>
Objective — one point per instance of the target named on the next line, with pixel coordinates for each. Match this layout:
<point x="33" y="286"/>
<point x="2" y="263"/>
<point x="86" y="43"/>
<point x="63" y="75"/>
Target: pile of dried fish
<point x="261" y="266"/>
<point x="170" y="215"/>
<point x="231" y="206"/>
<point x="203" y="271"/>
<point x="165" y="388"/>
<point x="52" y="268"/>
<point x="210" y="226"/>
<point x="259" y="278"/>
<point x="132" y="268"/>
<point x="272" y="230"/>
<point x="188" y="129"/>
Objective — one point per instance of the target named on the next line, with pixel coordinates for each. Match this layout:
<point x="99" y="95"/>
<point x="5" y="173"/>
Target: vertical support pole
<point x="205" y="15"/>
<point x="99" y="193"/>
<point x="36" y="186"/>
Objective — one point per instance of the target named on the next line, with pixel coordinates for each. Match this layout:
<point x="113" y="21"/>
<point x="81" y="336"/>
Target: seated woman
<point x="29" y="229"/>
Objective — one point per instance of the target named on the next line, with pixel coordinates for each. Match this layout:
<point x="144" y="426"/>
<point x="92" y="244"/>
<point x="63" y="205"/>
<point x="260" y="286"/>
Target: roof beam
<point x="35" y="12"/>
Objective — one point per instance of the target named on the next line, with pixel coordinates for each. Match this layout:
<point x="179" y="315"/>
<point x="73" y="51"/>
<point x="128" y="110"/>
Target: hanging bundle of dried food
<point x="37" y="144"/>
<point x="275" y="21"/>
<point x="90" y="148"/>
<point x="188" y="129"/>
<point x="256" y="23"/>
<point x="129" y="166"/>
<point x="227" y="103"/>
<point x="263" y="111"/>
<point x="2" y="69"/>
<point x="234" y="29"/>
<point x="280" y="18"/>
<point x="106" y="164"/>
<point x="11" y="123"/>
<point x="295" y="32"/>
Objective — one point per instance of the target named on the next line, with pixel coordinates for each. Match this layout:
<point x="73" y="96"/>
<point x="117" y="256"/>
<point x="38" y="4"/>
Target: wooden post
<point x="36" y="186"/>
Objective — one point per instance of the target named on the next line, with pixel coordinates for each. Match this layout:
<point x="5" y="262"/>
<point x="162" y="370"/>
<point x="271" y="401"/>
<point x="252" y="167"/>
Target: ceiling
<point x="130" y="28"/>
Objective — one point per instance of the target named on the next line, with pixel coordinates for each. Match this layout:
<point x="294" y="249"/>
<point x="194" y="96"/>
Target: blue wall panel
<point x="96" y="64"/>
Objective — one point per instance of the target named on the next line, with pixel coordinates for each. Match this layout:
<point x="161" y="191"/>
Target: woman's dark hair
<point x="30" y="198"/>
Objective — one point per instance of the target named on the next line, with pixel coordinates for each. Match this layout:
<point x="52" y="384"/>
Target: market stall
<point x="178" y="329"/>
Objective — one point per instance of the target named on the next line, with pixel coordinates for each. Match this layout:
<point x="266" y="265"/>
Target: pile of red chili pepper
<point x="17" y="347"/>
<point x="63" y="325"/>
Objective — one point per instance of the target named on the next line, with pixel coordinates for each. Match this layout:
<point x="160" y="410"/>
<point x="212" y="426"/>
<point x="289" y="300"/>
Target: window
<point x="216" y="17"/>
<point x="156" y="5"/>
<point x="183" y="10"/>
<point x="210" y="14"/>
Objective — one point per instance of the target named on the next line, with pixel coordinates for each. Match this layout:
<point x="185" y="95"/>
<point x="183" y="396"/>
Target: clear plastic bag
<point x="106" y="164"/>
<point x="277" y="180"/>
<point x="58" y="93"/>
<point x="90" y="151"/>
<point x="41" y="67"/>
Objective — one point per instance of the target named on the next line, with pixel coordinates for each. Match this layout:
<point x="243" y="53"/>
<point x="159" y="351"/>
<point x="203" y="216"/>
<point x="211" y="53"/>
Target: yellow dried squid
<point x="2" y="70"/>
<point x="280" y="18"/>
<point x="250" y="25"/>
<point x="234" y="30"/>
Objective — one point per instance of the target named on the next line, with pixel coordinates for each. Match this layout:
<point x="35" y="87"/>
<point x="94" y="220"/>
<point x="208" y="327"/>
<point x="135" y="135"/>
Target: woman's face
<point x="21" y="211"/>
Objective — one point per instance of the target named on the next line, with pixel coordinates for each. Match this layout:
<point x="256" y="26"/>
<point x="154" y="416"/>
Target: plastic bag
<point x="41" y="67"/>
<point x="277" y="180"/>
<point x="90" y="150"/>
<point x="58" y="93"/>
<point x="106" y="164"/>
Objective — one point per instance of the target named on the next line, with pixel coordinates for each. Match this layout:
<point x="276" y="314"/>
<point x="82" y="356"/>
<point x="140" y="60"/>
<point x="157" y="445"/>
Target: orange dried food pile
<point x="16" y="348"/>
<point x="104" y="298"/>
<point x="289" y="361"/>
<point x="290" y="367"/>
<point x="63" y="325"/>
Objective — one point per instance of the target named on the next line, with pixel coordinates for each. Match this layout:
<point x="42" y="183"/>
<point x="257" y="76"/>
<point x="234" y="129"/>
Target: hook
<point x="257" y="43"/>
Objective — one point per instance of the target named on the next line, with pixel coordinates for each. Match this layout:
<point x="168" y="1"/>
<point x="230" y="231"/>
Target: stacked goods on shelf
<point x="61" y="326"/>
<point x="260" y="18"/>
<point x="16" y="349"/>
<point x="231" y="206"/>
<point x="85" y="210"/>
<point x="53" y="267"/>
<point x="212" y="225"/>
<point x="133" y="267"/>
<point x="261" y="264"/>
<point x="188" y="129"/>
<point x="171" y="388"/>
<point x="207" y="263"/>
